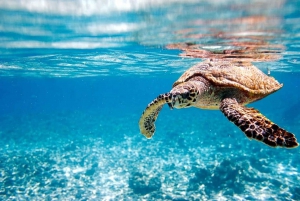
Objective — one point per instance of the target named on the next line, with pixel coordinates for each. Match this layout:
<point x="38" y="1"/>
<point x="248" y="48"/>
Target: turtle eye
<point x="185" y="95"/>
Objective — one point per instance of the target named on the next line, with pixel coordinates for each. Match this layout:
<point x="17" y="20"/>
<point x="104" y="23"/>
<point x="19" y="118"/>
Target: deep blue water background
<point x="74" y="81"/>
<point x="123" y="94"/>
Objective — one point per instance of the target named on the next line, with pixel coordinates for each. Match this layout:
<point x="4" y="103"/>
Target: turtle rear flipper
<point x="256" y="126"/>
<point x="150" y="114"/>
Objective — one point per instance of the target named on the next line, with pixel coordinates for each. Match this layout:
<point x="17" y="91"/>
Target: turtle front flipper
<point x="149" y="116"/>
<point x="256" y="126"/>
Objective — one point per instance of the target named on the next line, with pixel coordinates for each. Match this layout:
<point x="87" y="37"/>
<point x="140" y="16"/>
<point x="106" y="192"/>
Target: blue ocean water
<point x="75" y="77"/>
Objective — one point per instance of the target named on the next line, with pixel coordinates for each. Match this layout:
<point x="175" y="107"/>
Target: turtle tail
<point x="149" y="116"/>
<point x="256" y="126"/>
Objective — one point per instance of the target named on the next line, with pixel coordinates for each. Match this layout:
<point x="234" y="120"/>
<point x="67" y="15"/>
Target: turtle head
<point x="180" y="100"/>
<point x="183" y="95"/>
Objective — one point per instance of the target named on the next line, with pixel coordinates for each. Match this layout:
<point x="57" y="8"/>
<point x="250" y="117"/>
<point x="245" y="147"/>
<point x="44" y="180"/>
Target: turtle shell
<point x="224" y="73"/>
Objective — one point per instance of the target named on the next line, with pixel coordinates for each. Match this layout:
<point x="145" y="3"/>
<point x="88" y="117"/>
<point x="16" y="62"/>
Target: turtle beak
<point x="172" y="102"/>
<point x="174" y="98"/>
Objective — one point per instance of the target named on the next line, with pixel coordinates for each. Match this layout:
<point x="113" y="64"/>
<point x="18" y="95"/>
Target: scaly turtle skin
<point x="228" y="86"/>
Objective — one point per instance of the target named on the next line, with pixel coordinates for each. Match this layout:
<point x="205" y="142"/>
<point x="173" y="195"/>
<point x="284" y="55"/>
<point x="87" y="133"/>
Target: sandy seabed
<point x="87" y="156"/>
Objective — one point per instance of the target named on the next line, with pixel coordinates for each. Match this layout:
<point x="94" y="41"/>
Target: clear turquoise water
<point x="75" y="78"/>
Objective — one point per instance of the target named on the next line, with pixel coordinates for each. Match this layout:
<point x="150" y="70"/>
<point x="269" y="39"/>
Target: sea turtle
<point x="228" y="86"/>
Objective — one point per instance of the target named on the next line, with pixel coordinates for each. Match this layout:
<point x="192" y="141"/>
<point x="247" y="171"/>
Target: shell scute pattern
<point x="242" y="75"/>
<point x="192" y="72"/>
